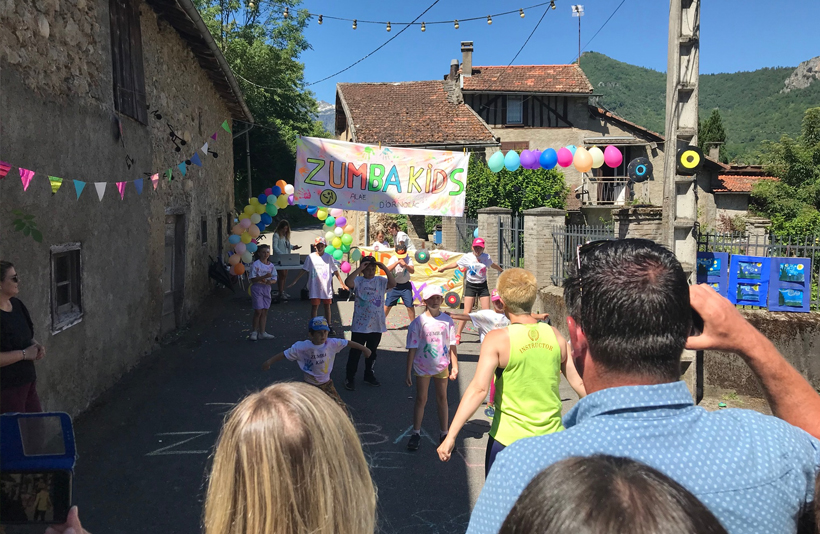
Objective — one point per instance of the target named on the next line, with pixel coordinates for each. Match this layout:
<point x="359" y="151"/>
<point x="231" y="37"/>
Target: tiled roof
<point x="410" y="113"/>
<point x="529" y="79"/>
<point x="630" y="125"/>
<point x="739" y="183"/>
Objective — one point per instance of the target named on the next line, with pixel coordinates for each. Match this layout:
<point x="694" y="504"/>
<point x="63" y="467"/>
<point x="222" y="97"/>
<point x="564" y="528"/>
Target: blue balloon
<point x="276" y="191"/>
<point x="263" y="198"/>
<point x="233" y="239"/>
<point x="572" y="148"/>
<point x="251" y="247"/>
<point x="548" y="159"/>
<point x="496" y="161"/>
<point x="301" y="206"/>
<point x="260" y="225"/>
<point x="265" y="218"/>
<point x="512" y="161"/>
<point x="475" y="233"/>
<point x="312" y="209"/>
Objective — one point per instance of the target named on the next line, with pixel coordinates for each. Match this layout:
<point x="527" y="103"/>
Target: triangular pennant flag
<point x="26" y="176"/>
<point x="170" y="174"/>
<point x="226" y="127"/>
<point x="195" y="159"/>
<point x="155" y="180"/>
<point x="213" y="136"/>
<point x="55" y="184"/>
<point x="78" y="186"/>
<point x="138" y="185"/>
<point x="204" y="149"/>
<point x="100" y="189"/>
<point x="5" y="167"/>
<point x="121" y="189"/>
<point x="182" y="168"/>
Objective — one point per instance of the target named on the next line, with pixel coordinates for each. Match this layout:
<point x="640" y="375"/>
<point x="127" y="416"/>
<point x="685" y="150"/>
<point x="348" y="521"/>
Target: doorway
<point x="173" y="276"/>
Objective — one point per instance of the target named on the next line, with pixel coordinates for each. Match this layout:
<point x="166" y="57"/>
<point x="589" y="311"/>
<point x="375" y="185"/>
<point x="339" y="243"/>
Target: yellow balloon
<point x="253" y="231"/>
<point x="597" y="157"/>
<point x="254" y="201"/>
<point x="337" y="242"/>
<point x="249" y="210"/>
<point x="260" y="208"/>
<point x="321" y="215"/>
<point x="246" y="237"/>
<point x="282" y="202"/>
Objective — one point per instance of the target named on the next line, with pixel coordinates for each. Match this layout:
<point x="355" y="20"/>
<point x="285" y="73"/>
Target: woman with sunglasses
<point x="18" y="348"/>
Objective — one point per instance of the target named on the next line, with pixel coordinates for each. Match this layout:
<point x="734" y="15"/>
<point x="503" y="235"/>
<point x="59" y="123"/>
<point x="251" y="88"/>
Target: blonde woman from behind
<point x="288" y="461"/>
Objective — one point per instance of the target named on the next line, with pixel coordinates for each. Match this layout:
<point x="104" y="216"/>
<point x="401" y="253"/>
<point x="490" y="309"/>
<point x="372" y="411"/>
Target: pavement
<point x="146" y="445"/>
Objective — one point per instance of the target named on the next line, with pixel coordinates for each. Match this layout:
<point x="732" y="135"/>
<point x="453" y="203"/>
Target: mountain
<point x="327" y="114"/>
<point x="755" y="106"/>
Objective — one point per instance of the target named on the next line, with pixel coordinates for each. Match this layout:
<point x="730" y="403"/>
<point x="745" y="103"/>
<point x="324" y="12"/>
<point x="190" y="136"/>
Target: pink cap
<point x="494" y="296"/>
<point x="478" y="242"/>
<point x="430" y="291"/>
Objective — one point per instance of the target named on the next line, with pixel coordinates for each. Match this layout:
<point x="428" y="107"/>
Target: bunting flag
<point x="78" y="186"/>
<point x="100" y="189"/>
<point x="170" y="174"/>
<point x="214" y="136"/>
<point x="121" y="189"/>
<point x="204" y="149"/>
<point x="5" y="167"/>
<point x="195" y="160"/>
<point x="138" y="185"/>
<point x="26" y="176"/>
<point x="155" y="180"/>
<point x="182" y="168"/>
<point x="55" y="184"/>
<point x="226" y="127"/>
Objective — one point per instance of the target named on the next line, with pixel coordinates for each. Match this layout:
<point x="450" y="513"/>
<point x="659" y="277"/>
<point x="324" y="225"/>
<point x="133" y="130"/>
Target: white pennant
<point x="205" y="149"/>
<point x="100" y="189"/>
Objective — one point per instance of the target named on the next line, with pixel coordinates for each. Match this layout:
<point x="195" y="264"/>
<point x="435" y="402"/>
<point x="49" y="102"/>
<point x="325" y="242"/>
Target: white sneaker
<point x="265" y="335"/>
<point x="285" y="296"/>
<point x="253" y="336"/>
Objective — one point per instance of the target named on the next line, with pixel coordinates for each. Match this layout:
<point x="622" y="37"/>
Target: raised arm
<point x="446" y="266"/>
<point x="790" y="396"/>
<point x="459" y="316"/>
<point x="350" y="281"/>
<point x="391" y="280"/>
<point x="497" y="267"/>
<point x="278" y="358"/>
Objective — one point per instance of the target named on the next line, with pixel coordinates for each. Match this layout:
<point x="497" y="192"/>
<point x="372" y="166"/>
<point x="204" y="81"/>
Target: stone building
<point x="84" y="84"/>
<point x="725" y="196"/>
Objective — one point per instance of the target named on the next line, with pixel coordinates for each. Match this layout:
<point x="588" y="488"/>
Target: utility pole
<point x="680" y="206"/>
<point x="578" y="11"/>
<point x="248" y="152"/>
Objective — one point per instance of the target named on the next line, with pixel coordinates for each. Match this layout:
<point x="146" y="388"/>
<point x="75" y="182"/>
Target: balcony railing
<point x="606" y="191"/>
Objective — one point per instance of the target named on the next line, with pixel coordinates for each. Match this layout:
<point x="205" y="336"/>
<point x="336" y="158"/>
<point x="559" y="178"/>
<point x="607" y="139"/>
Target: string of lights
<point x="455" y="22"/>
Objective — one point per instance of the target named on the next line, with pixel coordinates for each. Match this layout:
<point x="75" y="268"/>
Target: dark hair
<point x="631" y="299"/>
<point x="392" y="225"/>
<point x="401" y="245"/>
<point x="258" y="250"/>
<point x="4" y="268"/>
<point x="606" y="494"/>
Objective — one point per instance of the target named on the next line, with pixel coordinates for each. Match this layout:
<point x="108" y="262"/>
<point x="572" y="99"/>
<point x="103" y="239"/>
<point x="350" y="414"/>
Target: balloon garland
<point x="582" y="159"/>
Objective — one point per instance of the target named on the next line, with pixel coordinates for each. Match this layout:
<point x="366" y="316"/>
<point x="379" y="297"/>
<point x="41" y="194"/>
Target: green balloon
<point x="338" y="254"/>
<point x="272" y="210"/>
<point x="345" y="248"/>
<point x="330" y="249"/>
<point x="330" y="221"/>
<point x="355" y="255"/>
<point x="347" y="239"/>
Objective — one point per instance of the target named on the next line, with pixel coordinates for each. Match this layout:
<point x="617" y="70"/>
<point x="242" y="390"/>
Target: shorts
<point x="444" y="374"/>
<point x="315" y="302"/>
<point x="260" y="296"/>
<point x="476" y="290"/>
<point x="401" y="291"/>
<point x="330" y="389"/>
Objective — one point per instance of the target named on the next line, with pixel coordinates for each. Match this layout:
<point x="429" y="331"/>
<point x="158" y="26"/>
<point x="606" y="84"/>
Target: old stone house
<point x="724" y="204"/>
<point x="92" y="91"/>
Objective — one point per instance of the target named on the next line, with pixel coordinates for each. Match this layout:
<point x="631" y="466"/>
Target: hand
<point x="454" y="373"/>
<point x="344" y="286"/>
<point x="32" y="352"/>
<point x="266" y="365"/>
<point x="382" y="266"/>
<point x="296" y="247"/>
<point x="41" y="352"/>
<point x="71" y="526"/>
<point x="445" y="450"/>
<point x="724" y="328"/>
<point x="367" y="353"/>
<point x="409" y="380"/>
<point x="402" y="262"/>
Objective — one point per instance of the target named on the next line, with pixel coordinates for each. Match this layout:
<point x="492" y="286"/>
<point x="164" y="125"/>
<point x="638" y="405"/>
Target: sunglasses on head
<point x="583" y="250"/>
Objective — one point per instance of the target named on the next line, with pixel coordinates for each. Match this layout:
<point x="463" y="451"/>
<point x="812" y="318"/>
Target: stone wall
<point x="59" y="119"/>
<point x="643" y="223"/>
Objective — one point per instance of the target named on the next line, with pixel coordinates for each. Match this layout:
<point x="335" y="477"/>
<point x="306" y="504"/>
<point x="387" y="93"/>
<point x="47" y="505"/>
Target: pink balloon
<point x="341" y="222"/>
<point x="336" y="212"/>
<point x="290" y="200"/>
<point x="240" y="248"/>
<point x="613" y="156"/>
<point x="564" y="157"/>
<point x="268" y="191"/>
<point x="345" y="267"/>
<point x="245" y="223"/>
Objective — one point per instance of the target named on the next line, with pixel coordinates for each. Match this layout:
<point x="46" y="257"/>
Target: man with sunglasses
<point x="630" y="315"/>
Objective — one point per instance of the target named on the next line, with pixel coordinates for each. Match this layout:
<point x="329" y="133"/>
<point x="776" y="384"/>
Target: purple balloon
<point x="290" y="200"/>
<point x="537" y="155"/>
<point x="341" y="222"/>
<point x="526" y="159"/>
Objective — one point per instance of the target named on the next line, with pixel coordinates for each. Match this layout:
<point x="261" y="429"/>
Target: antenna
<point x="578" y="11"/>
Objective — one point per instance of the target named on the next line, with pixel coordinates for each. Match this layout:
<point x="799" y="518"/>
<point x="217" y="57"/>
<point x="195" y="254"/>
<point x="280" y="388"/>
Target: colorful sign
<point x="749" y="280"/>
<point x="789" y="285"/>
<point x="426" y="273"/>
<point x="359" y="177"/>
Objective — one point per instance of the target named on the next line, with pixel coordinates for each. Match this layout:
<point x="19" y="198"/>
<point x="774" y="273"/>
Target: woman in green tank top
<point x="526" y="358"/>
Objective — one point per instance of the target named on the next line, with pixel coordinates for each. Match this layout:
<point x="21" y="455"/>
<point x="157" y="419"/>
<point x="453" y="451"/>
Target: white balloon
<point x="339" y="231"/>
<point x="289" y="189"/>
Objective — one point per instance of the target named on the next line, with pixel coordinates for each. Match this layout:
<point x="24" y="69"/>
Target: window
<point x="203" y="230"/>
<point x="66" y="286"/>
<point x="515" y="110"/>
<point x="126" y="59"/>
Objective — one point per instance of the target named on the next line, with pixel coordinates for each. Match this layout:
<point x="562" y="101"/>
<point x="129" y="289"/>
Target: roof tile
<point x="529" y="78"/>
<point x="738" y="183"/>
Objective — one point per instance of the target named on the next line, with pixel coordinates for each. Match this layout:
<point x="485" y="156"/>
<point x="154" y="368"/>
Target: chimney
<point x="714" y="150"/>
<point x="466" y="58"/>
<point x="453" y="70"/>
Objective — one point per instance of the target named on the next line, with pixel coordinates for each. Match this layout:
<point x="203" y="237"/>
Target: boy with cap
<point x="320" y="268"/>
<point x="402" y="268"/>
<point x="316" y="355"/>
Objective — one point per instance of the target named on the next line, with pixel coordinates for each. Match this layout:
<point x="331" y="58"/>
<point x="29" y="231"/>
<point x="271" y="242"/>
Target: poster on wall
<point x="713" y="269"/>
<point x="354" y="176"/>
<point x="749" y="280"/>
<point x="789" y="284"/>
<point x="426" y="263"/>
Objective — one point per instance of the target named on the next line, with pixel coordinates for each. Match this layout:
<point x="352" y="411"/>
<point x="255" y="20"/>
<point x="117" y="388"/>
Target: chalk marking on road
<point x="383" y="459"/>
<point x="464" y="456"/>
<point x="409" y="430"/>
<point x="165" y="450"/>
<point x="382" y="438"/>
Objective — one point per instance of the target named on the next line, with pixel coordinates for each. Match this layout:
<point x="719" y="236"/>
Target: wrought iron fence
<point x="511" y="242"/>
<point x="565" y="243"/>
<point x="465" y="229"/>
<point x="768" y="245"/>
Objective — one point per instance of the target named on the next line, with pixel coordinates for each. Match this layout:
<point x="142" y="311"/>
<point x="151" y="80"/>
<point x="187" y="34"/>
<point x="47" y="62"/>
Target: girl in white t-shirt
<point x="381" y="242"/>
<point x="320" y="268"/>
<point x="263" y="276"/>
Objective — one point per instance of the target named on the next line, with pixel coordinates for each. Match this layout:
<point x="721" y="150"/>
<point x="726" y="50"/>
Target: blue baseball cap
<point x="318" y="323"/>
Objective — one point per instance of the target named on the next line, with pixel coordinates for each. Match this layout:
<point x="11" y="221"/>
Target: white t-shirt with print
<point x="380" y="245"/>
<point x="368" y="310"/>
<point x="476" y="267"/>
<point x="260" y="269"/>
<point x="401" y="237"/>
<point x="487" y="320"/>
<point x="432" y="338"/>
<point x="400" y="273"/>
<point x="320" y="275"/>
<point x="316" y="361"/>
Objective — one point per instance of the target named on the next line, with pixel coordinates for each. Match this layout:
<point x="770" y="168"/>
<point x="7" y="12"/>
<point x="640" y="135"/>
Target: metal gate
<point x="465" y="230"/>
<point x="511" y="242"/>
<point x="565" y="242"/>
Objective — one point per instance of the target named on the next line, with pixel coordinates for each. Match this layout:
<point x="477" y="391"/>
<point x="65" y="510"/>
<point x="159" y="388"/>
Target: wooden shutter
<point x="126" y="59"/>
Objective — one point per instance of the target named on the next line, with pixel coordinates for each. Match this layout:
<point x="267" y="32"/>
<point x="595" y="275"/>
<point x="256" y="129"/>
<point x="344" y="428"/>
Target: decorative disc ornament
<point x="422" y="256"/>
<point x="452" y="299"/>
<point x="690" y="160"/>
<point x="639" y="170"/>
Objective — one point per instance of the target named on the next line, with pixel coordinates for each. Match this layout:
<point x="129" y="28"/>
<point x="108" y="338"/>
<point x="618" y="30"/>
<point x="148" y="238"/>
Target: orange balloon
<point x="237" y="229"/>
<point x="233" y="260"/>
<point x="239" y="269"/>
<point x="254" y="231"/>
<point x="349" y="229"/>
<point x="582" y="159"/>
<point x="281" y="184"/>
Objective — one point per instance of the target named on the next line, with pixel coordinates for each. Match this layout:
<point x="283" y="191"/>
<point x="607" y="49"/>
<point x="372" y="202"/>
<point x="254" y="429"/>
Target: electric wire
<point x="601" y="28"/>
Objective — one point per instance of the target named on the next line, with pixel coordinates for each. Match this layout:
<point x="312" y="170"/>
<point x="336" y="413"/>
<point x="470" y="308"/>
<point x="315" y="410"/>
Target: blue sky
<point x="736" y="35"/>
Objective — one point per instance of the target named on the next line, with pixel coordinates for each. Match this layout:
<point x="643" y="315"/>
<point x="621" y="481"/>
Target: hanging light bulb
<point x="286" y="13"/>
<point x="388" y="27"/>
<point x="354" y="24"/>
<point x="489" y="19"/>
<point x="251" y="6"/>
<point x="456" y="24"/>
<point x="423" y="27"/>
<point x="521" y="13"/>
<point x="320" y="19"/>
<point x="552" y="4"/>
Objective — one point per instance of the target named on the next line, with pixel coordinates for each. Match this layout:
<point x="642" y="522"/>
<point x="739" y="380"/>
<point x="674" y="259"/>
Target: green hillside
<point x="750" y="103"/>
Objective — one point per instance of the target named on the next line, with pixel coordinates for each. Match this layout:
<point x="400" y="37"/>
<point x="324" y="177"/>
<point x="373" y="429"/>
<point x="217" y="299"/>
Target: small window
<point x="203" y="231"/>
<point x="126" y="59"/>
<point x="66" y="286"/>
<point x="514" y="109"/>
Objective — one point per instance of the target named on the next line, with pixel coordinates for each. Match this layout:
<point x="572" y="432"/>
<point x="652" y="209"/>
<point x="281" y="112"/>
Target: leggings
<point x="493" y="448"/>
<point x="371" y="341"/>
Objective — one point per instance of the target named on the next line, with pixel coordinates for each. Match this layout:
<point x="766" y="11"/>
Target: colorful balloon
<point x="272" y="210"/>
<point x="282" y="202"/>
<point x="572" y="148"/>
<point x="337" y="242"/>
<point x="548" y="159"/>
<point x="260" y="209"/>
<point x="263" y="198"/>
<point x="290" y="200"/>
<point x="245" y="223"/>
<point x="234" y="259"/>
<point x="337" y="212"/>
<point x="253" y="231"/>
<point x="276" y="191"/>
<point x="251" y="247"/>
<point x="237" y="229"/>
<point x="496" y="161"/>
<point x="330" y="221"/>
<point x="345" y="267"/>
<point x="349" y="229"/>
<point x="261" y="226"/>
<point x="338" y="254"/>
<point x="564" y="157"/>
<point x="355" y="254"/>
<point x="247" y="257"/>
<point x="321" y="215"/>
<point x="268" y="191"/>
<point x="233" y="239"/>
<point x="272" y="199"/>
<point x="245" y="238"/>
<point x="330" y="249"/>
<point x="281" y="184"/>
<point x="582" y="160"/>
<point x="238" y="269"/>
<point x="329" y="236"/>
<point x="347" y="239"/>
<point x="527" y="159"/>
<point x="345" y="248"/>
<point x="512" y="161"/>
<point x="338" y="232"/>
<point x="253" y="201"/>
<point x="613" y="156"/>
<point x="289" y="189"/>
<point x="266" y="219"/>
<point x="537" y="163"/>
<point x="255" y="218"/>
<point x="240" y="248"/>
<point x="341" y="221"/>
<point x="597" y="157"/>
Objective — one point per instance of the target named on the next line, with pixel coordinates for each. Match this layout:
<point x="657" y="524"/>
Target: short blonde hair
<point x="517" y="289"/>
<point x="289" y="461"/>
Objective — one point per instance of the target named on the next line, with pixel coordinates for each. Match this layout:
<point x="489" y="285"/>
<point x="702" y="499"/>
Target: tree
<point x="711" y="131"/>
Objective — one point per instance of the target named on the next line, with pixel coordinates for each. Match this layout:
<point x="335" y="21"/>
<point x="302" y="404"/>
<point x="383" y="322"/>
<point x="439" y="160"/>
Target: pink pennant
<point x="121" y="189"/>
<point x="214" y="136"/>
<point x="26" y="176"/>
<point x="155" y="180"/>
<point x="5" y="167"/>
